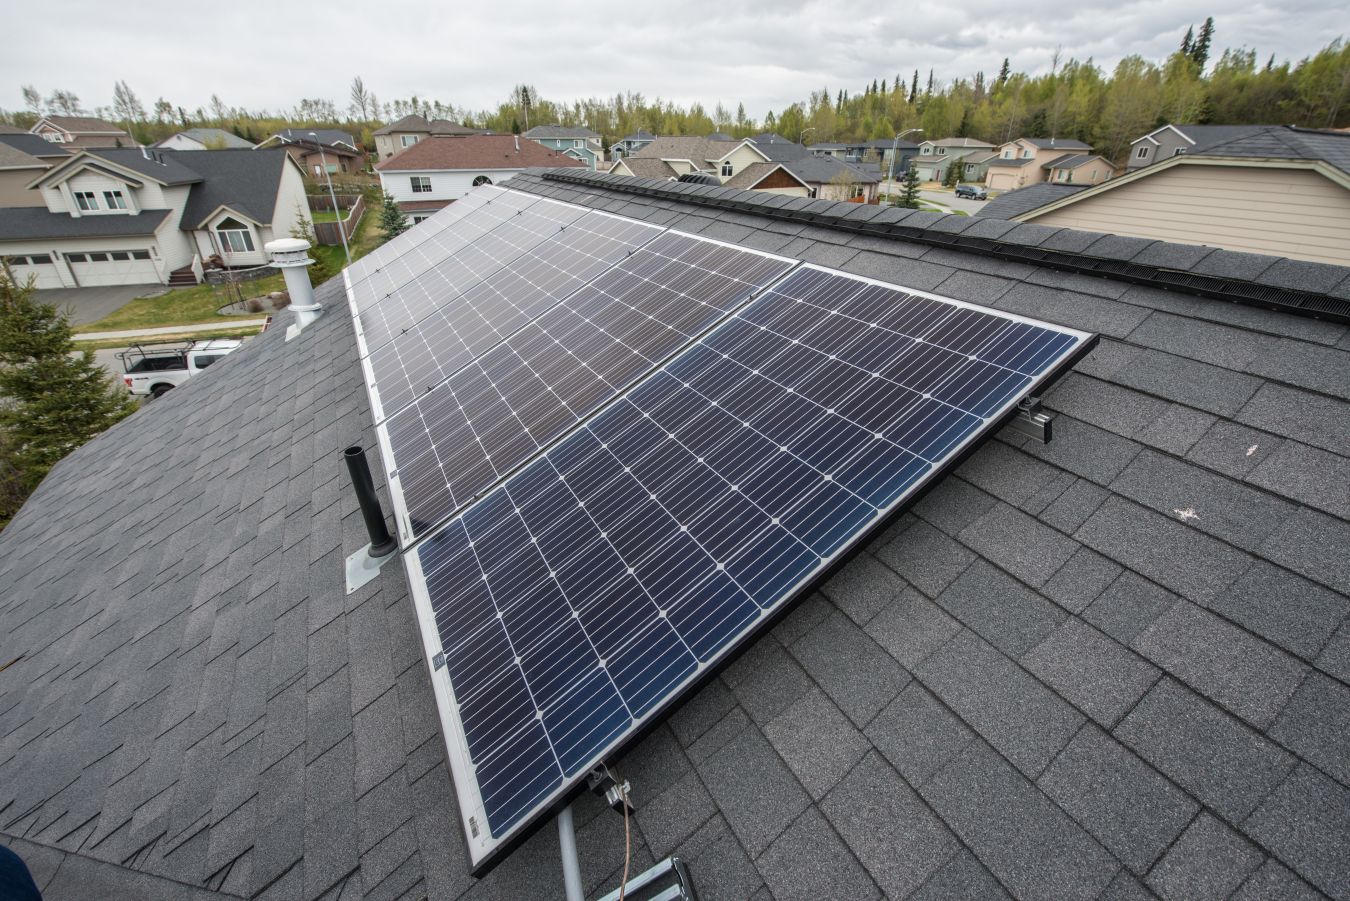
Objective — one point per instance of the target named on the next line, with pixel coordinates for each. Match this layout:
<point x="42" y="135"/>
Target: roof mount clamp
<point x="364" y="565"/>
<point x="605" y="785"/>
<point x="1030" y="420"/>
<point x="682" y="890"/>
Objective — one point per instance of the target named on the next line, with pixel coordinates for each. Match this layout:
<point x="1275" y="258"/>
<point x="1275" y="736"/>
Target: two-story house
<point x="81" y="132"/>
<point x="17" y="172"/>
<point x="407" y="131"/>
<point x="936" y="154"/>
<point x="319" y="149"/>
<point x="1170" y="140"/>
<point x="1027" y="161"/>
<point x="577" y="142"/>
<point x="672" y="157"/>
<point x="140" y="216"/>
<point x="432" y="174"/>
<point x="632" y="143"/>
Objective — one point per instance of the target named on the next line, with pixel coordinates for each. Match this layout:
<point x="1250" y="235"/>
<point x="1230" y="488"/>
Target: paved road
<point x="92" y="304"/>
<point x="946" y="200"/>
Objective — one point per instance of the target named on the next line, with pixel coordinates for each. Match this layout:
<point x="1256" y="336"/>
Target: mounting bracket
<point x="605" y="785"/>
<point x="1030" y="420"/>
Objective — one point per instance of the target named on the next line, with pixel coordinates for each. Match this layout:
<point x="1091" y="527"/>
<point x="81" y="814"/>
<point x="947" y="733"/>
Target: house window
<point x="140" y="254"/>
<point x="927" y="150"/>
<point x="1177" y="152"/>
<point x="332" y="168"/>
<point x="421" y="184"/>
<point x="576" y="143"/>
<point x="40" y="259"/>
<point x="481" y="180"/>
<point x="86" y="200"/>
<point x="1141" y="153"/>
<point x="1026" y="154"/>
<point x="1094" y="175"/>
<point x="234" y="236"/>
<point x="726" y="169"/>
<point x="408" y="140"/>
<point x="54" y="137"/>
<point x="98" y="258"/>
<point x="970" y="167"/>
<point x="75" y="258"/>
<point x="15" y="261"/>
<point x="942" y="151"/>
<point x="416" y="219"/>
<point x="114" y="200"/>
<point x="1007" y="154"/>
<point x="121" y="256"/>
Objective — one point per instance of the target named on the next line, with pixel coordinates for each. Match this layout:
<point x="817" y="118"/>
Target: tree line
<point x="1074" y="99"/>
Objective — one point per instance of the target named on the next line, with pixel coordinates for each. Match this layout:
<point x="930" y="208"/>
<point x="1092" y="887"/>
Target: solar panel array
<point x="647" y="445"/>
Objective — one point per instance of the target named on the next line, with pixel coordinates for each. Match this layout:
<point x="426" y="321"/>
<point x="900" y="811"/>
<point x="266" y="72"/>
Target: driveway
<point x="92" y="304"/>
<point x="947" y="200"/>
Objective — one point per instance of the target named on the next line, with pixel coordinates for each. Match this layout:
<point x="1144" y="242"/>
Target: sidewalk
<point x="167" y="330"/>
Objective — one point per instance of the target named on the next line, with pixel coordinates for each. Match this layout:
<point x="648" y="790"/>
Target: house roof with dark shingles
<point x="1074" y="160"/>
<point x="1286" y="142"/>
<point x="34" y="223"/>
<point x="34" y="146"/>
<point x="1025" y="199"/>
<point x="645" y="168"/>
<point x="1111" y="665"/>
<point x="559" y="131"/>
<point x="474" y="152"/>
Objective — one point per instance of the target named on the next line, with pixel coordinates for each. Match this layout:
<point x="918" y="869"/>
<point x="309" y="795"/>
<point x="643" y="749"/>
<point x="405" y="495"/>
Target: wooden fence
<point x="327" y="232"/>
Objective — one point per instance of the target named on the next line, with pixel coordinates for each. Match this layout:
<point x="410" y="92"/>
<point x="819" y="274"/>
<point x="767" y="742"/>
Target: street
<point x="943" y="199"/>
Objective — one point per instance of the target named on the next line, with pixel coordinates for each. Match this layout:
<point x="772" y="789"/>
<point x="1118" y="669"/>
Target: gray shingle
<point x="718" y="865"/>
<point x="1200" y="385"/>
<point x="852" y="668"/>
<point x="890" y="829"/>
<point x="963" y="878"/>
<point x="1316" y="726"/>
<point x="912" y="627"/>
<point x="1080" y="311"/>
<point x="1320" y="421"/>
<point x="816" y="741"/>
<point x="1204" y="750"/>
<point x="1001" y="610"/>
<point x="1165" y="550"/>
<point x="954" y="503"/>
<point x="1079" y="581"/>
<point x="1085" y="450"/>
<point x="1177" y="429"/>
<point x="808" y="861"/>
<point x="1290" y="611"/>
<point x="754" y="789"/>
<point x="1276" y="883"/>
<point x="1319" y="368"/>
<point x="1316" y="545"/>
<point x="1017" y="542"/>
<point x="1208" y="862"/>
<point x="1105" y="405"/>
<point x="1019" y="716"/>
<point x="927" y="559"/>
<point x="1001" y="470"/>
<point x="766" y="680"/>
<point x="917" y="734"/>
<point x="1122" y="801"/>
<point x="1072" y="508"/>
<point x="863" y="588"/>
<point x="1229" y="348"/>
<point x="1232" y="449"/>
<point x="1024" y="839"/>
<point x="1098" y="676"/>
<point x="1335" y="657"/>
<point x="1307" y="474"/>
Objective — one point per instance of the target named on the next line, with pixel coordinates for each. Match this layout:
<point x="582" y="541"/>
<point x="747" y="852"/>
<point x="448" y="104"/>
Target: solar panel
<point x="474" y="259"/>
<point x="497" y="410"/>
<point x="394" y="249"/>
<point x="583" y="597"/>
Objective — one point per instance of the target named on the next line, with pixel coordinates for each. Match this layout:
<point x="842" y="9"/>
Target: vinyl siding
<point x="14" y="188"/>
<point x="1279" y="212"/>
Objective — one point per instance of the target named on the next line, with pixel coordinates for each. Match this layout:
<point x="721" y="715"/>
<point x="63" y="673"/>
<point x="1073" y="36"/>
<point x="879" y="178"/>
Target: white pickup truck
<point x="155" y="368"/>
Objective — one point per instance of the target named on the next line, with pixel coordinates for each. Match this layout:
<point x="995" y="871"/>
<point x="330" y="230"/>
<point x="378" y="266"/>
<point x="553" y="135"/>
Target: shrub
<point x="254" y="305"/>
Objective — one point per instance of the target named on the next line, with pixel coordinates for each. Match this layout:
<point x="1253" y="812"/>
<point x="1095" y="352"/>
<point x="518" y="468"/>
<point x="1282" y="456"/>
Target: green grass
<point x="327" y="215"/>
<point x="182" y="306"/>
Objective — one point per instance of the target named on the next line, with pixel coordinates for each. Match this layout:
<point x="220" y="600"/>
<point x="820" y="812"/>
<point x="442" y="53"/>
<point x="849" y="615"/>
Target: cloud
<point x="765" y="54"/>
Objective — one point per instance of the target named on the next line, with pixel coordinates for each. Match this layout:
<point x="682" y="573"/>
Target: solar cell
<point x="363" y="267"/>
<point x="497" y="307"/>
<point x="501" y="406"/>
<point x="583" y="596"/>
<point x="477" y="256"/>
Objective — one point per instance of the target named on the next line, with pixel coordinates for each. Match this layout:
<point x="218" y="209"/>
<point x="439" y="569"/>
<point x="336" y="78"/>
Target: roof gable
<point x="474" y="152"/>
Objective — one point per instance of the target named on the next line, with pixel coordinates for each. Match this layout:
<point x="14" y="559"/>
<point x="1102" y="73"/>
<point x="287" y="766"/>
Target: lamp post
<point x="342" y="232"/>
<point x="895" y="151"/>
<point x="803" y="134"/>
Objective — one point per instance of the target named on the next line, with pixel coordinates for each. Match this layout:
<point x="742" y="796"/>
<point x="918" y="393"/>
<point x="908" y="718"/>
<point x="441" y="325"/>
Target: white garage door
<point x="115" y="267"/>
<point x="39" y="265"/>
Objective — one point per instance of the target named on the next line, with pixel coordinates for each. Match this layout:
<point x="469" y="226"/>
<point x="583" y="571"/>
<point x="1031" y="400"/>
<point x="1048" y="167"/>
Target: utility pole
<point x="895" y="151"/>
<point x="342" y="230"/>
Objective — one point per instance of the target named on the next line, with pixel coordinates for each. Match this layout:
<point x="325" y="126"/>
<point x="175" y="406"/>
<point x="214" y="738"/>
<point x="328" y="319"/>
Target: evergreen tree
<point x="392" y="221"/>
<point x="1186" y="41"/>
<point x="1200" y="50"/>
<point x="53" y="401"/>
<point x="952" y="177"/>
<point x="929" y="92"/>
<point x="1002" y="73"/>
<point x="883" y="85"/>
<point x="909" y="184"/>
<point x="874" y="85"/>
<point x="914" y="87"/>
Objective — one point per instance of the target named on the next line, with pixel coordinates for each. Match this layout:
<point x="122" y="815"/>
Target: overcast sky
<point x="765" y="53"/>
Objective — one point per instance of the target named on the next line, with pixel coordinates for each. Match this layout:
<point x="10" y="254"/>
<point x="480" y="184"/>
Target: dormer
<point x="86" y="188"/>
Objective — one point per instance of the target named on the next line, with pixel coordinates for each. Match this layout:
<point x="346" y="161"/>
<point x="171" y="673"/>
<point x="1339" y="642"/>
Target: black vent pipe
<point x="381" y="542"/>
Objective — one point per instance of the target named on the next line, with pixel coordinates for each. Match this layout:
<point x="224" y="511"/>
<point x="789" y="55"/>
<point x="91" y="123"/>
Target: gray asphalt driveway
<point x="92" y="304"/>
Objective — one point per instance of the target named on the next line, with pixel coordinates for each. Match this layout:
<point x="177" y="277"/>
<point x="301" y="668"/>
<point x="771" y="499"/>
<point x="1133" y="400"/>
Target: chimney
<point x="289" y="255"/>
<point x="517" y="143"/>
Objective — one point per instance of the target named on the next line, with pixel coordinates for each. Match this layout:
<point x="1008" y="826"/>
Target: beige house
<point x="18" y="170"/>
<point x="80" y="132"/>
<point x="822" y="177"/>
<point x="407" y="131"/>
<point x="1026" y="161"/>
<point x="1081" y="169"/>
<point x="682" y="155"/>
<point x="1283" y="191"/>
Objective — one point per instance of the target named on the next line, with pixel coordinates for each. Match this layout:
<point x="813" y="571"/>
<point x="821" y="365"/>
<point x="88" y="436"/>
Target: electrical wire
<point x="627" y="848"/>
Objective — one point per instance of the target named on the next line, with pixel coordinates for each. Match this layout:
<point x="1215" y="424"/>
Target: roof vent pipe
<point x="365" y="564"/>
<point x="517" y="143"/>
<point x="290" y="255"/>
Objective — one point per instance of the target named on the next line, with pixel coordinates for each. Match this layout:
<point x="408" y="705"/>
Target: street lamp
<point x="342" y="232"/>
<point x="895" y="151"/>
<point x="803" y="134"/>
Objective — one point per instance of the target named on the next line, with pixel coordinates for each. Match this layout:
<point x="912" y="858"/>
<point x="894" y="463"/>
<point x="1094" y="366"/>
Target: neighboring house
<point x="769" y="137"/>
<point x="137" y="216"/>
<point x="827" y="148"/>
<point x="327" y="149"/>
<point x="1026" y="161"/>
<point x="878" y="153"/>
<point x="1087" y="669"/>
<point x="1166" y="142"/>
<point x="724" y="159"/>
<point x="934" y="156"/>
<point x="821" y="177"/>
<point x="204" y="139"/>
<point x="1080" y="169"/>
<point x="720" y="136"/>
<point x="81" y="132"/>
<point x="974" y="166"/>
<point x="632" y="144"/>
<point x="34" y="146"/>
<point x="12" y="130"/>
<point x="18" y="170"/>
<point x="434" y="173"/>
<point x="576" y="141"/>
<point x="1280" y="190"/>
<point x="407" y="131"/>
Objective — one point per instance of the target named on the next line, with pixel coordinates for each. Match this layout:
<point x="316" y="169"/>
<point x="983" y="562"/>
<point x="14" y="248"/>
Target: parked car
<point x="154" y="368"/>
<point x="973" y="192"/>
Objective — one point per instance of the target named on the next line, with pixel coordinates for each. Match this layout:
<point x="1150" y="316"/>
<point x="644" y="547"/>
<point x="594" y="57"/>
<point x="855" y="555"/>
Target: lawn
<point x="328" y="215"/>
<point x="195" y="306"/>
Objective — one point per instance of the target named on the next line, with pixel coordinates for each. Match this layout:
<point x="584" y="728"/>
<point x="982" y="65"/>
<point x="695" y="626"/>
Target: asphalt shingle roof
<point x="33" y="145"/>
<point x="1112" y="665"/>
<point x="1025" y="199"/>
<point x="1283" y="142"/>
<point x="232" y="141"/>
<point x="559" y="131"/>
<point x="33" y="223"/>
